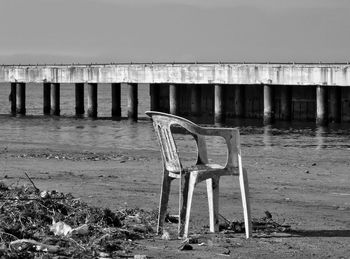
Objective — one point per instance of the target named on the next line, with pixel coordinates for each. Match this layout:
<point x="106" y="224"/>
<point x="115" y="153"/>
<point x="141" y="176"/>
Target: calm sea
<point x="36" y="130"/>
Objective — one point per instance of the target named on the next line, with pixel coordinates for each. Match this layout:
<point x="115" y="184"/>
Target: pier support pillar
<point x="219" y="108"/>
<point x="47" y="98"/>
<point x="195" y="100"/>
<point x="116" y="103"/>
<point x="335" y="104"/>
<point x="286" y="102"/>
<point x="321" y="105"/>
<point x="79" y="99"/>
<point x="173" y="99"/>
<point x="239" y="101"/>
<point x="92" y="100"/>
<point x="21" y="98"/>
<point x="55" y="99"/>
<point x="154" y="92"/>
<point x="269" y="107"/>
<point x="132" y="101"/>
<point x="12" y="98"/>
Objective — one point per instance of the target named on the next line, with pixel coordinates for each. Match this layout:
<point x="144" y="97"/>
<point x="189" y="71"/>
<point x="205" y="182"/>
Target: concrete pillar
<point x="92" y="100"/>
<point x="21" y="98"/>
<point x="269" y="107"/>
<point x="79" y="99"/>
<point x="239" y="99"/>
<point x="132" y="101"/>
<point x="154" y="92"/>
<point x="46" y="98"/>
<point x="219" y="108"/>
<point x="116" y="100"/>
<point x="173" y="99"/>
<point x="335" y="104"/>
<point x="12" y="98"/>
<point x="195" y="100"/>
<point x="55" y="99"/>
<point x="286" y="102"/>
<point x="321" y="105"/>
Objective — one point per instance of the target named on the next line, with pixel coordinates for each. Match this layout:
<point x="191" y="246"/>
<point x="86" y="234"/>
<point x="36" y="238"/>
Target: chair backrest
<point x="162" y="123"/>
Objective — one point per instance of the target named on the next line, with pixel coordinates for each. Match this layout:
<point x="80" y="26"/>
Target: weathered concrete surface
<point x="186" y="73"/>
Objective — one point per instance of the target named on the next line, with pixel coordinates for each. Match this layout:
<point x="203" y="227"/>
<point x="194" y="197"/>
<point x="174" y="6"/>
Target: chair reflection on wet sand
<point x="189" y="177"/>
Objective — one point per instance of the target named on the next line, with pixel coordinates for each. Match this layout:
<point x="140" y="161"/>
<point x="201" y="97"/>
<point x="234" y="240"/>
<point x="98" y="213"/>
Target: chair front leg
<point x="243" y="182"/>
<point x="213" y="203"/>
<point x="185" y="178"/>
<point x="192" y="183"/>
<point x="163" y="203"/>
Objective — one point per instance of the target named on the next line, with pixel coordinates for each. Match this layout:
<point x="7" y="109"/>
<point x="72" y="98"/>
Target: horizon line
<point x="177" y="63"/>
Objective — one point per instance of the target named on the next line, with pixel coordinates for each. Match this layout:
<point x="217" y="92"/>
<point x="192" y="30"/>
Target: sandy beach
<point x="305" y="188"/>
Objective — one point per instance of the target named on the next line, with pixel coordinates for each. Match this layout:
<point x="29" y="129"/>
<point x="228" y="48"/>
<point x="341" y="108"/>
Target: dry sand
<point x="303" y="187"/>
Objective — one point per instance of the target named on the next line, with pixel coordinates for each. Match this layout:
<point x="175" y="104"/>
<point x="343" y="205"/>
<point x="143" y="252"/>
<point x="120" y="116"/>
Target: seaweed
<point x="32" y="224"/>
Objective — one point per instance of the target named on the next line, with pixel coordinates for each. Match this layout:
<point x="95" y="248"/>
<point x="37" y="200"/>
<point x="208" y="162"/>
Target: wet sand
<point x="306" y="188"/>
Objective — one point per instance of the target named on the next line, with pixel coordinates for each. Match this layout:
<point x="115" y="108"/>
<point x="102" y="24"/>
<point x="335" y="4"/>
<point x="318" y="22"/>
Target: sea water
<point x="36" y="130"/>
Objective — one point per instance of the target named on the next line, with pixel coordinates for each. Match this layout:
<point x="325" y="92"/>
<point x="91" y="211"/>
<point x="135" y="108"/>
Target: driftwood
<point x="21" y="243"/>
<point x="36" y="188"/>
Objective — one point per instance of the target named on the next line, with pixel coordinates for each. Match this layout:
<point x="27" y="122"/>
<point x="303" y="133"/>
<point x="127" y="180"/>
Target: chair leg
<point x="192" y="183"/>
<point x="183" y="202"/>
<point x="163" y="203"/>
<point x="213" y="203"/>
<point x="243" y="182"/>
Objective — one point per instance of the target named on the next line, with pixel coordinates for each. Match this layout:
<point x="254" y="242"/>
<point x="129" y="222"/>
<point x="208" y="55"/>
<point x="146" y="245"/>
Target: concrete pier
<point x="46" y="98"/>
<point x="154" y="92"/>
<point x="252" y="90"/>
<point x="92" y="100"/>
<point x="132" y="102"/>
<point x="116" y="100"/>
<point x="334" y="104"/>
<point x="79" y="99"/>
<point x="21" y="98"/>
<point x="219" y="107"/>
<point x="286" y="103"/>
<point x="55" y="99"/>
<point x="239" y="101"/>
<point x="196" y="100"/>
<point x="269" y="106"/>
<point x="321" y="105"/>
<point x="12" y="98"/>
<point x="173" y="99"/>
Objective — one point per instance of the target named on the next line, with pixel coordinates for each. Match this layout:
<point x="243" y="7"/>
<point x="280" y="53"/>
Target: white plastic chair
<point x="189" y="177"/>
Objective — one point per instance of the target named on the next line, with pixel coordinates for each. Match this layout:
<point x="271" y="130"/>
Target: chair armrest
<point x="219" y="132"/>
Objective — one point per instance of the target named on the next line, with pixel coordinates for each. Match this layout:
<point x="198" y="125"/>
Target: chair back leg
<point x="163" y="203"/>
<point x="213" y="203"/>
<point x="243" y="182"/>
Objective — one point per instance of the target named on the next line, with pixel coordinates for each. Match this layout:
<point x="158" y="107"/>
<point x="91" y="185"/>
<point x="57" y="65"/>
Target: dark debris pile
<point x="84" y="156"/>
<point x="48" y="224"/>
<point x="266" y="225"/>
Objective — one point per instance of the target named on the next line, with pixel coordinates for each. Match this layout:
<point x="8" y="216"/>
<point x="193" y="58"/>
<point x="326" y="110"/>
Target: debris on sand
<point x="81" y="156"/>
<point x="264" y="225"/>
<point x="48" y="224"/>
<point x="185" y="245"/>
<point x="35" y="224"/>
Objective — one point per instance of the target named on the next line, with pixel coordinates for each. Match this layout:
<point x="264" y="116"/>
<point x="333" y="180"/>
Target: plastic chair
<point x="189" y="177"/>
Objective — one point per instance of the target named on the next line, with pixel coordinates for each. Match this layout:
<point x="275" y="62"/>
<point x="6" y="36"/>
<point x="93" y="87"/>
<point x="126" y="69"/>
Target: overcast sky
<point x="55" y="31"/>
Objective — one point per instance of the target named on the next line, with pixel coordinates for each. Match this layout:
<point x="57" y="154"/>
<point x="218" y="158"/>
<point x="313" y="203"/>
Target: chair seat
<point x="206" y="171"/>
